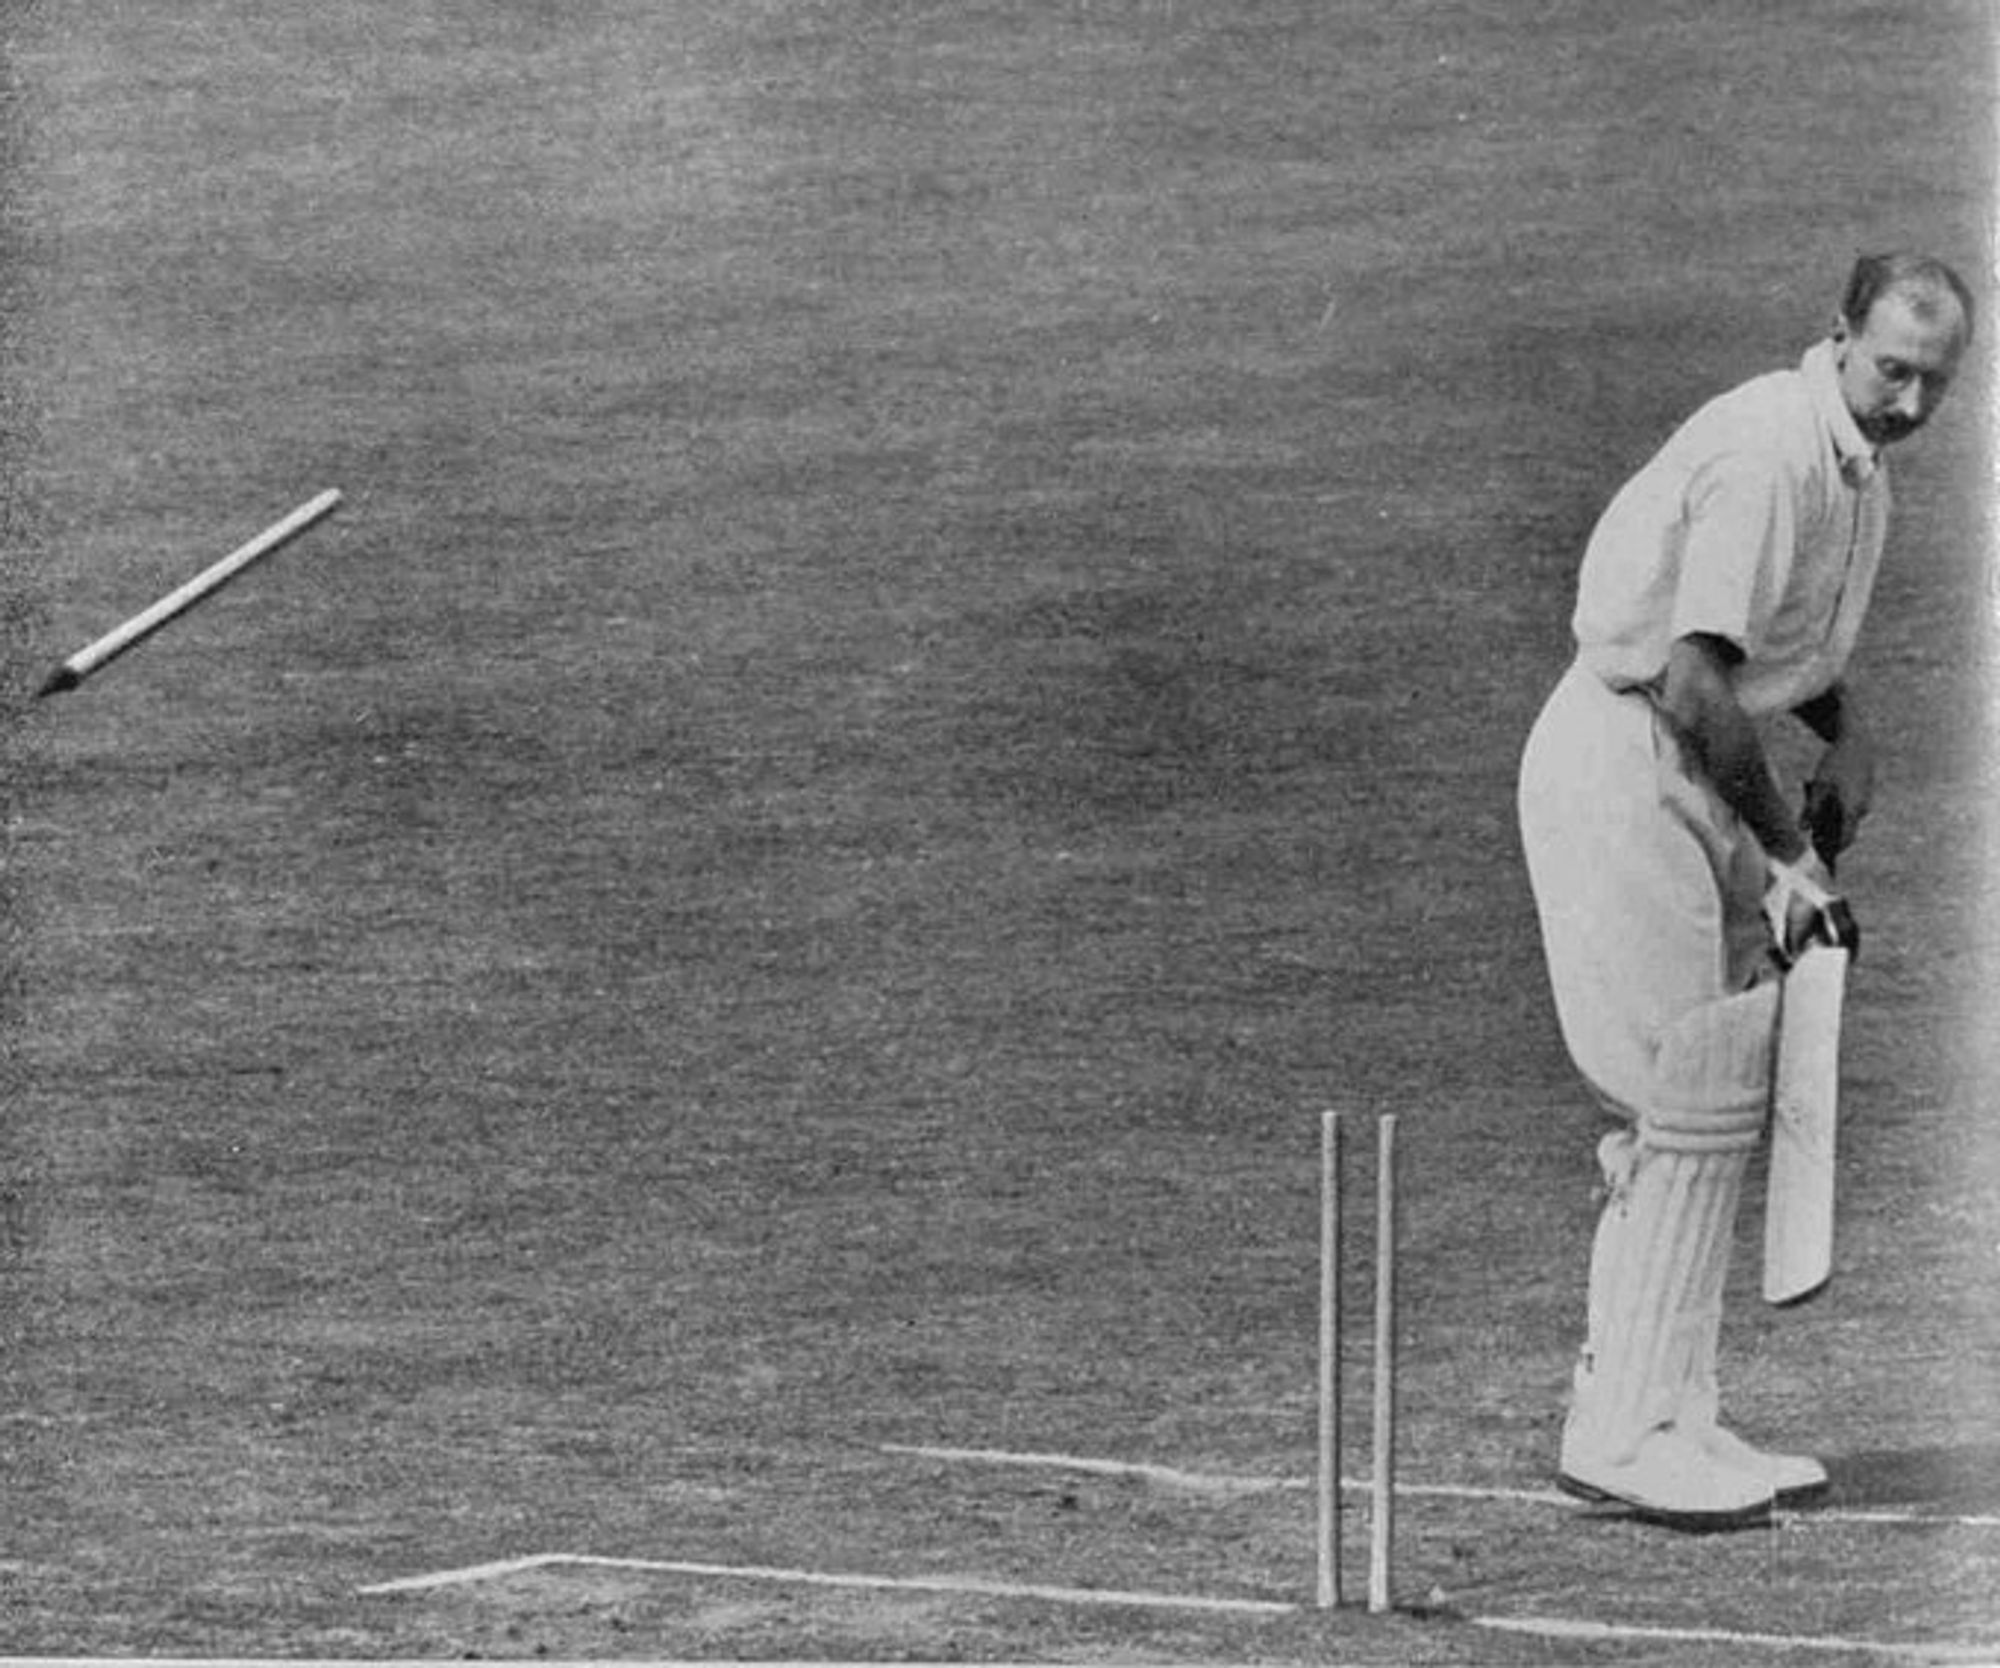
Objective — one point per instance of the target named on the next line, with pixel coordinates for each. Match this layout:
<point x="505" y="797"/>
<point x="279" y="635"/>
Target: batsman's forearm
<point x="1732" y="756"/>
<point x="1698" y="699"/>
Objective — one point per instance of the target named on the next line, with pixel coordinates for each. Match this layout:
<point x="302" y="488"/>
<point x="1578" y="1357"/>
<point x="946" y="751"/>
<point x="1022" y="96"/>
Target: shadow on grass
<point x="1965" y="1478"/>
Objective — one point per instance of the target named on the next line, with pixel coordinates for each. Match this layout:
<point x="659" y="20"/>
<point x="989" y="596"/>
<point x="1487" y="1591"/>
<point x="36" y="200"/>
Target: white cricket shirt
<point x="1761" y="521"/>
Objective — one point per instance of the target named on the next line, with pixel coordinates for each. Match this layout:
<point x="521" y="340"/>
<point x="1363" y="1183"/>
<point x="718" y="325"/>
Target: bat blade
<point x="1805" y="1105"/>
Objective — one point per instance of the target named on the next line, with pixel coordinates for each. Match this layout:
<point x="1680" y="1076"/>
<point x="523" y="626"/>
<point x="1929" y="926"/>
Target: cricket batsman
<point x="1723" y="588"/>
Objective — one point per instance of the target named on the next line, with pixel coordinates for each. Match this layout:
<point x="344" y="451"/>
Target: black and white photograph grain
<point x="1095" y="832"/>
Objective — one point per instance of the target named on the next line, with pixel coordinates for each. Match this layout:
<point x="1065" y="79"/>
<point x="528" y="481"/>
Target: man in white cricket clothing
<point x="1722" y="588"/>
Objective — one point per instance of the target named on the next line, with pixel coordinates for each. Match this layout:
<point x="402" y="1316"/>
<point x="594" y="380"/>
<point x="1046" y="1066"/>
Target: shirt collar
<point x="1858" y="459"/>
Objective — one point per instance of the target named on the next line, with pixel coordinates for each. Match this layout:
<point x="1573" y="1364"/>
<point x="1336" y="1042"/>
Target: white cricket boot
<point x="1667" y="1479"/>
<point x="1794" y="1479"/>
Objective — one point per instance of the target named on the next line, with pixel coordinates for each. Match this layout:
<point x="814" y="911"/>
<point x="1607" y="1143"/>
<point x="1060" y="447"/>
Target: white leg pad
<point x="1663" y="1244"/>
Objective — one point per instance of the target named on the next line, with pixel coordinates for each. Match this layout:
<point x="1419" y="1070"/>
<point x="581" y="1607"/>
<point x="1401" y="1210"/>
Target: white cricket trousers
<point x="1648" y="886"/>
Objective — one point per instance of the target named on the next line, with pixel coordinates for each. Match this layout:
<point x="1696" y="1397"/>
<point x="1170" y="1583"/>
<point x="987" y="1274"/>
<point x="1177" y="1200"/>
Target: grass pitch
<point x="924" y="659"/>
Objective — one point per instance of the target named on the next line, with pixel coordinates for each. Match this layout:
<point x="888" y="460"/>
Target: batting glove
<point x="1802" y="908"/>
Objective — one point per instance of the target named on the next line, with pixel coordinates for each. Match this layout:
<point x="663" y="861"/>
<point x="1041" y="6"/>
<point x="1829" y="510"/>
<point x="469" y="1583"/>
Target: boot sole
<point x="1807" y="1494"/>
<point x="1753" y="1516"/>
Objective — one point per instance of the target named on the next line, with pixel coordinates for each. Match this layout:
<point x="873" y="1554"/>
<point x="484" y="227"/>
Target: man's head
<point x="1904" y="323"/>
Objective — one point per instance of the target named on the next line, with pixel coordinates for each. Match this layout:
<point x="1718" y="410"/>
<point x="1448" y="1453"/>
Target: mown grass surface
<point x="924" y="659"/>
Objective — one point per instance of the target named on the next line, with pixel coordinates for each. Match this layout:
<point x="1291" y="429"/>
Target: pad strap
<point x="1713" y="1075"/>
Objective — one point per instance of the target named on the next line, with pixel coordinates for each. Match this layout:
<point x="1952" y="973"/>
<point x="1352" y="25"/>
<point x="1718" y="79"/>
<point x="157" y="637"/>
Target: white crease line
<point x="958" y="1584"/>
<point x="1209" y="1482"/>
<point x="1549" y="1627"/>
<point x="1557" y="1627"/>
<point x="1895" y="1520"/>
<point x="460" y="1578"/>
<point x="970" y="1585"/>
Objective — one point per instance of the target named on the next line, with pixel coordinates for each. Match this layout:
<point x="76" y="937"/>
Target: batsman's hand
<point x="1803" y="909"/>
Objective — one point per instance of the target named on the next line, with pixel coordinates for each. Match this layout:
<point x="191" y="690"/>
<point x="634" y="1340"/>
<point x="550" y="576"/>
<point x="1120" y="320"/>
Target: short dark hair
<point x="1922" y="280"/>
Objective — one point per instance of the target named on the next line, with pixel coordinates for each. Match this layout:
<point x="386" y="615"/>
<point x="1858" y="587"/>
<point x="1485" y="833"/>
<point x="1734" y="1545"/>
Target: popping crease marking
<point x="1222" y="1482"/>
<point x="1205" y="1482"/>
<point x="464" y="1577"/>
<point x="972" y="1586"/>
<point x="1550" y="1627"/>
<point x="1202" y="1482"/>
<point x="1558" y="1627"/>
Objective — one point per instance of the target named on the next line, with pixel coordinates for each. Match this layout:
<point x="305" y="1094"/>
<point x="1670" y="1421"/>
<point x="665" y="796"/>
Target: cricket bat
<point x="1805" y="1100"/>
